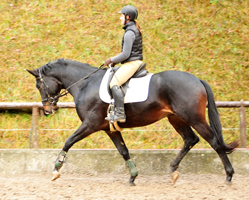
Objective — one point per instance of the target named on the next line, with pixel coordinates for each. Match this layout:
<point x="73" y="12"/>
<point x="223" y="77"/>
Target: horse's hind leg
<point x="206" y="132"/>
<point x="190" y="139"/>
<point x="117" y="139"/>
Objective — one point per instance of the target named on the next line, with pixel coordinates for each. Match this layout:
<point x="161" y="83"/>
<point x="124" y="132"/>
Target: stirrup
<point x="110" y="119"/>
<point x="119" y="115"/>
<point x="114" y="118"/>
<point x="121" y="119"/>
<point x="110" y="113"/>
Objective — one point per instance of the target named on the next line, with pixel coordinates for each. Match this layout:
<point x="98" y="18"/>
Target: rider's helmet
<point x="131" y="11"/>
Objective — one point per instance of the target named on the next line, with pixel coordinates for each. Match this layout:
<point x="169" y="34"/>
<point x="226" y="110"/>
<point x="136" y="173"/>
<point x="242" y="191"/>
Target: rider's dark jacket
<point x="132" y="47"/>
<point x="137" y="47"/>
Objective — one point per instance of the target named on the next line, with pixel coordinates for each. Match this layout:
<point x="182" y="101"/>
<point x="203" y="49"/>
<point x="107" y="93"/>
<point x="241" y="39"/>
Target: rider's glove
<point x="108" y="62"/>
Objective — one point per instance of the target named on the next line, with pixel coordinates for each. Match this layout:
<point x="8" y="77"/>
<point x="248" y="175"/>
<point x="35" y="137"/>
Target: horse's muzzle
<point x="50" y="108"/>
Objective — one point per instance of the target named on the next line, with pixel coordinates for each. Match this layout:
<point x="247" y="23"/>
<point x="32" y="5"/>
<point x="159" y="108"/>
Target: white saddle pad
<point x="137" y="91"/>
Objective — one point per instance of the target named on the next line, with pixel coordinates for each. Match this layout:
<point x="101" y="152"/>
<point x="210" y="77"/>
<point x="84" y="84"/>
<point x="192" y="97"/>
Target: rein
<point x="55" y="99"/>
<point x="65" y="92"/>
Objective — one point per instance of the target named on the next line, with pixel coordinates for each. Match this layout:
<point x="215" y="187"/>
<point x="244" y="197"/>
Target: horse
<point x="179" y="96"/>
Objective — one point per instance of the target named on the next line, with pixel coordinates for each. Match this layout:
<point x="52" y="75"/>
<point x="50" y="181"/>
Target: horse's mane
<point x="61" y="62"/>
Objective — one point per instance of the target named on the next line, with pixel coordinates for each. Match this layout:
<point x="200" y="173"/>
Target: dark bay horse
<point x="179" y="96"/>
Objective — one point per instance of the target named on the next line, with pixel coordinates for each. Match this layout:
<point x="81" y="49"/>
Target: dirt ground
<point x="75" y="186"/>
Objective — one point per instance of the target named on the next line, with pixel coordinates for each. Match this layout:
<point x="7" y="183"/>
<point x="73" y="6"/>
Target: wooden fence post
<point x="242" y="117"/>
<point x="34" y="127"/>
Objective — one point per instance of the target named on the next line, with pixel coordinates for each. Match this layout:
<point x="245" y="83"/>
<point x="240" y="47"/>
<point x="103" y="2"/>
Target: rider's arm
<point x="129" y="38"/>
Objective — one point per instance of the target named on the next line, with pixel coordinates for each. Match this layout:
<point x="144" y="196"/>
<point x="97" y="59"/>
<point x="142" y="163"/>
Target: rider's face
<point x="122" y="18"/>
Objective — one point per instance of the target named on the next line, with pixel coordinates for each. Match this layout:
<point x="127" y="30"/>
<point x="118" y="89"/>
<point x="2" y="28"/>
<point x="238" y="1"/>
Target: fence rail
<point x="22" y="105"/>
<point x="36" y="107"/>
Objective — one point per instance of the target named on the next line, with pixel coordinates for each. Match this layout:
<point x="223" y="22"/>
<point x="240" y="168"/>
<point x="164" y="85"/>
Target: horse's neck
<point x="74" y="78"/>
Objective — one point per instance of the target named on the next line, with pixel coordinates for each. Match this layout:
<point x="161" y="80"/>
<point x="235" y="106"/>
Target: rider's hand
<point x="108" y="62"/>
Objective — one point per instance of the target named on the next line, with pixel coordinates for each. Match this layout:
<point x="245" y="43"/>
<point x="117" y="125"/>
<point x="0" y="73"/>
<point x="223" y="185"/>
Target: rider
<point x="130" y="58"/>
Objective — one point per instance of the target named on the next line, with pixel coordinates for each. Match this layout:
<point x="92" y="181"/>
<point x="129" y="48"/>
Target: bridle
<point x="55" y="98"/>
<point x="49" y="98"/>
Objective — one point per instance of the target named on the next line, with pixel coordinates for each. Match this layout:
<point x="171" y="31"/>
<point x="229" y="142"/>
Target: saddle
<point x="141" y="72"/>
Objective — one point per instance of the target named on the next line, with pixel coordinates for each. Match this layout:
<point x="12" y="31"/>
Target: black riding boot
<point x="119" y="113"/>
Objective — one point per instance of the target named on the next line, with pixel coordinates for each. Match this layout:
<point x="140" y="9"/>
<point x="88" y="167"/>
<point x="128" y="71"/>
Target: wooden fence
<point x="36" y="107"/>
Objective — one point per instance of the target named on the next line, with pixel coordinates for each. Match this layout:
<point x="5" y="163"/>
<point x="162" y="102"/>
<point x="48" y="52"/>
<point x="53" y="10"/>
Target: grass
<point x="206" y="38"/>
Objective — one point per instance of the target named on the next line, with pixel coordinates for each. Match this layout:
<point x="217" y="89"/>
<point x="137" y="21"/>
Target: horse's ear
<point x="33" y="72"/>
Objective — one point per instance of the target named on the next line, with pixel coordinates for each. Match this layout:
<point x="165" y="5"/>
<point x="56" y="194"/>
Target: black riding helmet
<point x="131" y="11"/>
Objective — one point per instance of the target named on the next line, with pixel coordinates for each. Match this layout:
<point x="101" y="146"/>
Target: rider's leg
<point x="118" y="95"/>
<point x="125" y="72"/>
<point x="120" y="77"/>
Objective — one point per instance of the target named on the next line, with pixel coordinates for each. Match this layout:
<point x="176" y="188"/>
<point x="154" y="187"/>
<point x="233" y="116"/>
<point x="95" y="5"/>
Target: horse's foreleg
<point x="58" y="164"/>
<point x="190" y="139"/>
<point x="118" y="141"/>
<point x="82" y="132"/>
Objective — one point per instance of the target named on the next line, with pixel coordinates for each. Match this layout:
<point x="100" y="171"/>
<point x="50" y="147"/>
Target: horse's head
<point x="49" y="88"/>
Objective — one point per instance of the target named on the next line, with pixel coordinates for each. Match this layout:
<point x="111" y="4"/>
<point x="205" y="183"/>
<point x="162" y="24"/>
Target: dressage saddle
<point x="141" y="72"/>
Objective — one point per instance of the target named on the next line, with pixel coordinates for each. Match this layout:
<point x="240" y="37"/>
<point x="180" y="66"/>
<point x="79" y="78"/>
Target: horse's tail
<point x="214" y="120"/>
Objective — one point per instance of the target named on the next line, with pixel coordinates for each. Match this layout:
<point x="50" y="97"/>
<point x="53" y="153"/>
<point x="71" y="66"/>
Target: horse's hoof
<point x="56" y="175"/>
<point x="174" y="176"/>
<point x="131" y="181"/>
<point x="130" y="184"/>
<point x="229" y="183"/>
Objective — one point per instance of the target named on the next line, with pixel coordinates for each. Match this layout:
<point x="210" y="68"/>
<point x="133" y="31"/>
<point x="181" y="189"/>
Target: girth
<point x="141" y="72"/>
